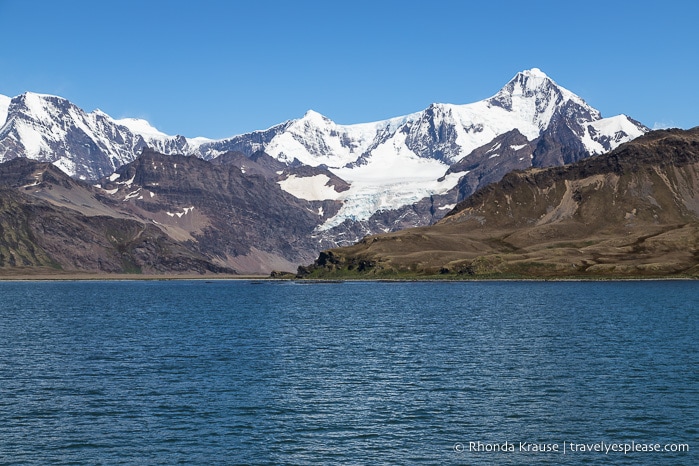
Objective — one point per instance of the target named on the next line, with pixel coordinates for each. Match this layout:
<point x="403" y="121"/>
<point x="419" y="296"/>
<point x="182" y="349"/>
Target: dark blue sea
<point x="264" y="373"/>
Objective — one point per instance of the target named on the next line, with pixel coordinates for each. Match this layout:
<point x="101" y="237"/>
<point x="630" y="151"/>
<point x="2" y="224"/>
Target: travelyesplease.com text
<point x="571" y="447"/>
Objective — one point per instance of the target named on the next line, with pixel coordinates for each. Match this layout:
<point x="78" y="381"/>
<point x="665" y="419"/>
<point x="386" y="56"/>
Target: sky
<point x="221" y="68"/>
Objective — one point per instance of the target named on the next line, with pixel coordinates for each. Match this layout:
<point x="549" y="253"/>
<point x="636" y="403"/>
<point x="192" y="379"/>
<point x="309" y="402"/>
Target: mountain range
<point x="330" y="184"/>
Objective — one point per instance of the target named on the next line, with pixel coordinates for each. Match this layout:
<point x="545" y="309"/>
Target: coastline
<point x="77" y="276"/>
<point x="90" y="276"/>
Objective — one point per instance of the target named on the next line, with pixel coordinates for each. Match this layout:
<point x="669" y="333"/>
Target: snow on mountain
<point x="164" y="143"/>
<point x="392" y="177"/>
<point x="532" y="98"/>
<point x="388" y="163"/>
<point x="4" y="105"/>
<point x="51" y="129"/>
<point x="608" y="133"/>
<point x="309" y="188"/>
<point x="445" y="132"/>
<point x="316" y="140"/>
<point x="142" y="127"/>
<point x="84" y="145"/>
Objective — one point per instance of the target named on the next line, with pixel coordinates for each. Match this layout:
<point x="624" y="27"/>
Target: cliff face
<point x="633" y="211"/>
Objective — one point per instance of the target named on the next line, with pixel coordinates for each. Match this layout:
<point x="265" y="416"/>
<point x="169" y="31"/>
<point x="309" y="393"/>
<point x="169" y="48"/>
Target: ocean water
<point x="245" y="372"/>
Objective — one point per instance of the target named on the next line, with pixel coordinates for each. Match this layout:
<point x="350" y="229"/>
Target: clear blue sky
<point x="220" y="68"/>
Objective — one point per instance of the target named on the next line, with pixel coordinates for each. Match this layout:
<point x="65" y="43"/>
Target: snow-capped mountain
<point x="84" y="145"/>
<point x="388" y="164"/>
<point x="530" y="102"/>
<point x="397" y="162"/>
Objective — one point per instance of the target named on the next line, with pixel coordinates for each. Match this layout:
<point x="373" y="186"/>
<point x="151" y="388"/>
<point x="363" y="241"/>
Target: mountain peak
<point x="312" y="115"/>
<point x="533" y="80"/>
<point x="35" y="95"/>
<point x="38" y="107"/>
<point x="534" y="73"/>
<point x="141" y="127"/>
<point x="531" y="92"/>
<point x="34" y="99"/>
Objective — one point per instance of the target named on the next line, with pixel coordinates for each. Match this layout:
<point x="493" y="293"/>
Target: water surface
<point x="241" y="372"/>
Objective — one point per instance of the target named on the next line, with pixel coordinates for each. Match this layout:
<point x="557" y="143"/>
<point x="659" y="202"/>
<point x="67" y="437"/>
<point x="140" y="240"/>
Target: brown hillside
<point x="631" y="212"/>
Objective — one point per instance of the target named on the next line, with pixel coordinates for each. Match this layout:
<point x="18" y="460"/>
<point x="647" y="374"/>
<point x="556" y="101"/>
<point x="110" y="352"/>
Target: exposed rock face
<point x="37" y="233"/>
<point x="632" y="212"/>
<point x="489" y="163"/>
<point x="238" y="217"/>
